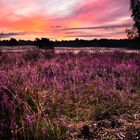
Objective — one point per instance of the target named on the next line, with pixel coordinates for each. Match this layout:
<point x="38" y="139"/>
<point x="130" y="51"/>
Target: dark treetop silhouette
<point x="135" y="9"/>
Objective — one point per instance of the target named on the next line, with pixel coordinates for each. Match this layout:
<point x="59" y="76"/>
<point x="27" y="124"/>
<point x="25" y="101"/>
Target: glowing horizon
<point x="64" y="19"/>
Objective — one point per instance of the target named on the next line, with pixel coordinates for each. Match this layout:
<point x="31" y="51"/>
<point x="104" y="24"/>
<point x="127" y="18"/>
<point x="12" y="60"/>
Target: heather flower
<point x="43" y="94"/>
<point x="30" y="120"/>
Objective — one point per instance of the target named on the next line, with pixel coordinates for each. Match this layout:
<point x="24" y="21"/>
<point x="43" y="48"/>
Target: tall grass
<point x="50" y="97"/>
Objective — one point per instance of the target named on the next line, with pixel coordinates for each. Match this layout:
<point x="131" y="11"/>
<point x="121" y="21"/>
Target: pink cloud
<point x="50" y="17"/>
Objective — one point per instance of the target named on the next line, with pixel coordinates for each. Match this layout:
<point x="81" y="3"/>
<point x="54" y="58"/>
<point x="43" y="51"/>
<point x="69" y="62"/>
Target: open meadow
<point x="67" y="96"/>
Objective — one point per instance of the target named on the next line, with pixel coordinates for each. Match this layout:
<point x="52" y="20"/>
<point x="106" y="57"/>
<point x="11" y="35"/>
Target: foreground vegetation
<point x="70" y="96"/>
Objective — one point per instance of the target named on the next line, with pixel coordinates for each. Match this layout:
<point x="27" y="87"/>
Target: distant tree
<point x="132" y="33"/>
<point x="135" y="9"/>
<point x="44" y="43"/>
<point x="77" y="39"/>
<point x="13" y="42"/>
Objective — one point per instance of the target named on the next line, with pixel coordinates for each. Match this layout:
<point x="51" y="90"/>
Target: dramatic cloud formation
<point x="7" y="35"/>
<point x="100" y="27"/>
<point x="65" y="19"/>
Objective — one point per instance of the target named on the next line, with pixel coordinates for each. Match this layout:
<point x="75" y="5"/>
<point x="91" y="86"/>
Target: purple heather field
<point x="69" y="95"/>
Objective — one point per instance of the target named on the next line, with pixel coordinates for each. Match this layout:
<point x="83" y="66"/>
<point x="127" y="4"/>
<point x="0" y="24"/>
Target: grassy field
<point x="66" y="96"/>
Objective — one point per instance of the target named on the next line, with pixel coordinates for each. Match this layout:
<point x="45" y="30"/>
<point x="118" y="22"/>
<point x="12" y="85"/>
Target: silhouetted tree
<point x="44" y="43"/>
<point x="132" y="33"/>
<point x="13" y="42"/>
<point x="135" y="8"/>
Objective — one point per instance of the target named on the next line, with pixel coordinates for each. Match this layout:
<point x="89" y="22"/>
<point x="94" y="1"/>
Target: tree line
<point x="45" y="43"/>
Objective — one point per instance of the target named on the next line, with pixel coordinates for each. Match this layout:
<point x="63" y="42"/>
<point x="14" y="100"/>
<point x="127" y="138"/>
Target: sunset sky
<point x="64" y="19"/>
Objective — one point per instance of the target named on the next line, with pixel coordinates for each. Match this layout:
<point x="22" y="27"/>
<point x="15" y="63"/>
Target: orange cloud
<point x="49" y="19"/>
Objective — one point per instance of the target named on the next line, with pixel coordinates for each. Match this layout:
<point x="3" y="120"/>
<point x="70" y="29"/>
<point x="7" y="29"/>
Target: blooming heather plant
<point x="48" y="97"/>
